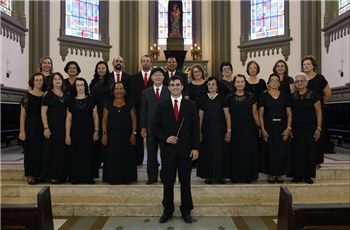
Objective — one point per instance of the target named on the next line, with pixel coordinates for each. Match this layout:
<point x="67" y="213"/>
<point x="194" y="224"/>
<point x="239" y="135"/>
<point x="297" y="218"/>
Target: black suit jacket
<point x="125" y="80"/>
<point x="137" y="86"/>
<point x="149" y="106"/>
<point x="165" y="125"/>
<point x="182" y="75"/>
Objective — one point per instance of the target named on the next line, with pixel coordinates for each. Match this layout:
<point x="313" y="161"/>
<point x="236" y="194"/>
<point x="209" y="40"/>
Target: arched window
<point x="84" y="28"/>
<point x="163" y="21"/>
<point x="82" y="18"/>
<point x="267" y="18"/>
<point x="6" y="7"/>
<point x="268" y="30"/>
<point x="344" y="5"/>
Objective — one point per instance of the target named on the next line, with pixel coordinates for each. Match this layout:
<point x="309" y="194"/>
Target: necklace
<point x="81" y="102"/>
<point x="212" y="97"/>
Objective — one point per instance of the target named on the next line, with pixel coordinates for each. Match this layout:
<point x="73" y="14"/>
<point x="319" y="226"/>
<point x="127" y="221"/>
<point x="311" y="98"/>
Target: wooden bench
<point x="29" y="216"/>
<point x="311" y="216"/>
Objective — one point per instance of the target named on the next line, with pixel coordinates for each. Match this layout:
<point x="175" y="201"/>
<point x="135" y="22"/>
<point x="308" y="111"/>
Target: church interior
<point x="212" y="32"/>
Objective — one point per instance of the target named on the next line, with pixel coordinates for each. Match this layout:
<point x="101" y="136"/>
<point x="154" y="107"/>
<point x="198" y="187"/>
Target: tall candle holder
<point x="196" y="52"/>
<point x="154" y="51"/>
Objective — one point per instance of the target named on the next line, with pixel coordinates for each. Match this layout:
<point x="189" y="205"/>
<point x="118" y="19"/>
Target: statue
<point x="175" y="19"/>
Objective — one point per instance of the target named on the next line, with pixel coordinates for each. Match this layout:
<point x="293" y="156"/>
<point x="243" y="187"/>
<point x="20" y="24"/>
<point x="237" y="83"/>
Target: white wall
<point x="15" y="62"/>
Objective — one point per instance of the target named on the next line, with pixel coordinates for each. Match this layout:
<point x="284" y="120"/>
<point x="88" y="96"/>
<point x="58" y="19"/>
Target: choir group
<point x="70" y="128"/>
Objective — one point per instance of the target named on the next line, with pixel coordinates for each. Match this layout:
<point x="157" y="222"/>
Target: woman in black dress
<point x="46" y="68"/>
<point x="72" y="69"/>
<point x="100" y="91"/>
<point x="226" y="84"/>
<point x="244" y="137"/>
<point x="81" y="132"/>
<point x="197" y="87"/>
<point x="275" y="118"/>
<point x="318" y="84"/>
<point x="53" y="115"/>
<point x="307" y="123"/>
<point x="215" y="125"/>
<point x="31" y="129"/>
<point x="286" y="82"/>
<point x="255" y="85"/>
<point x="119" y="134"/>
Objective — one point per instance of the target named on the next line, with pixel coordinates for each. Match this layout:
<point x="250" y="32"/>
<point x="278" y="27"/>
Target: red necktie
<point x="118" y="77"/>
<point x="172" y="74"/>
<point x="176" y="110"/>
<point x="145" y="80"/>
<point x="157" y="94"/>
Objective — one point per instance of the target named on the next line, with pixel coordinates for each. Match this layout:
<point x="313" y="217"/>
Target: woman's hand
<point x="95" y="136"/>
<point x="317" y="134"/>
<point x="104" y="140"/>
<point x="133" y="139"/>
<point x="68" y="140"/>
<point x="265" y="135"/>
<point x="227" y="136"/>
<point x="22" y="135"/>
<point x="47" y="133"/>
<point x="286" y="134"/>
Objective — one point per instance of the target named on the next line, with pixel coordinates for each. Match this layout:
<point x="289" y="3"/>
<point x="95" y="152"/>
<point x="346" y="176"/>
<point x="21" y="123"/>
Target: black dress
<point x="100" y="91"/>
<point x="55" y="160"/>
<point x="70" y="87"/>
<point x="285" y="86"/>
<point x="33" y="145"/>
<point x="256" y="89"/>
<point x="82" y="151"/>
<point x="46" y="83"/>
<point x="244" y="139"/>
<point x="276" y="153"/>
<point x="212" y="162"/>
<point x="304" y="125"/>
<point x="120" y="165"/>
<point x="225" y="87"/>
<point x="317" y="84"/>
<point x="195" y="92"/>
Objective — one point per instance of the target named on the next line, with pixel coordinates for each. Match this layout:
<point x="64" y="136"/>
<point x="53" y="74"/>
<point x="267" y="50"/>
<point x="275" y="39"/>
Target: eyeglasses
<point x="72" y="67"/>
<point x="300" y="81"/>
<point x="226" y="69"/>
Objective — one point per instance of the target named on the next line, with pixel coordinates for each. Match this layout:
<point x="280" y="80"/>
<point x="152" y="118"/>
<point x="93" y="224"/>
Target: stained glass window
<point x="163" y="21"/>
<point x="267" y="18"/>
<point x="82" y="18"/>
<point x="6" y="7"/>
<point x="343" y="6"/>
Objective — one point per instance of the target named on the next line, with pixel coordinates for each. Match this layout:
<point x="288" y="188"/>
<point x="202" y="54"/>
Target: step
<point x="330" y="172"/>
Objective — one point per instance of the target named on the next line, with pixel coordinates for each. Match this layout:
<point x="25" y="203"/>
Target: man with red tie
<point x="140" y="81"/>
<point x="171" y="66"/>
<point x="151" y="97"/>
<point x="118" y="75"/>
<point x="176" y="126"/>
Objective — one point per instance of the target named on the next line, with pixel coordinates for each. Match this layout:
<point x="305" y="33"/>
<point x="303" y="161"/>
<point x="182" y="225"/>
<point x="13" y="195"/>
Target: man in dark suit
<point x="140" y="81"/>
<point x="176" y="126"/>
<point x="171" y="66"/>
<point x="151" y="97"/>
<point x="119" y="75"/>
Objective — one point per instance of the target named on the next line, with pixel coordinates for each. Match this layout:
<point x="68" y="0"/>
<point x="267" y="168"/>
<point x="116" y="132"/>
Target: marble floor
<point x="151" y="223"/>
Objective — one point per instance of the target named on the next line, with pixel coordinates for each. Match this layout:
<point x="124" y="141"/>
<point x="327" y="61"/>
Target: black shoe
<point x="222" y="181"/>
<point x="164" y="218"/>
<point x="296" y="179"/>
<point x="247" y="181"/>
<point x="75" y="182"/>
<point x="318" y="166"/>
<point x="207" y="181"/>
<point x="32" y="181"/>
<point x="187" y="218"/>
<point x="92" y="181"/>
<point x="308" y="180"/>
<point x="55" y="181"/>
<point x="279" y="180"/>
<point x="151" y="181"/>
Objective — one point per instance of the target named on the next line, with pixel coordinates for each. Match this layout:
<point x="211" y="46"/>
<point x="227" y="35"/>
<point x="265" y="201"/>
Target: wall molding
<point x="337" y="28"/>
<point x="12" y="29"/>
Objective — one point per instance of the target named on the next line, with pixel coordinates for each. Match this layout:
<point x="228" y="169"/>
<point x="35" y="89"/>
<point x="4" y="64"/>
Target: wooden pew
<point x="311" y="216"/>
<point x="29" y="216"/>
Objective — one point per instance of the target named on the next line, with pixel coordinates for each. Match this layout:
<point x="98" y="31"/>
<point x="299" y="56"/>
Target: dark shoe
<point x="247" y="181"/>
<point x="207" y="181"/>
<point x="54" y="181"/>
<point x="297" y="179"/>
<point x="164" y="218"/>
<point x="318" y="166"/>
<point x="308" y="180"/>
<point x="151" y="181"/>
<point x="92" y="181"/>
<point x="187" y="218"/>
<point x="271" y="181"/>
<point x="222" y="181"/>
<point x="75" y="182"/>
<point x="32" y="181"/>
<point x="278" y="179"/>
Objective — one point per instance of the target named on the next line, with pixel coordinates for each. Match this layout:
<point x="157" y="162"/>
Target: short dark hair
<point x="85" y="85"/>
<point x="226" y="64"/>
<point x="72" y="63"/>
<point x="175" y="77"/>
<point x="257" y="66"/>
<point x="212" y="78"/>
<point x="273" y="75"/>
<point x="312" y="59"/>
<point x="31" y="79"/>
<point x="234" y="80"/>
